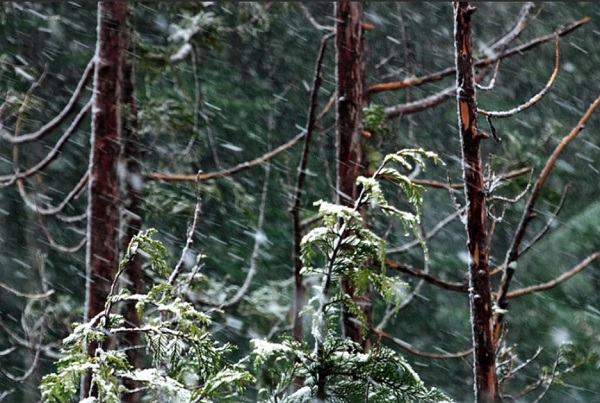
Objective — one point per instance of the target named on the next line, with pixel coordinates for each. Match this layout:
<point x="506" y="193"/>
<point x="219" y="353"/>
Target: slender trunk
<point x="102" y="257"/>
<point x="132" y="185"/>
<point x="350" y="75"/>
<point x="476" y="226"/>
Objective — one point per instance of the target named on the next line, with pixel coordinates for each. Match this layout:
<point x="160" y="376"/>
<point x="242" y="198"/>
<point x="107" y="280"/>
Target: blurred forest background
<point x="223" y="83"/>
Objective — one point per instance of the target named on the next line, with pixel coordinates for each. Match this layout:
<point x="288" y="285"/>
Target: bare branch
<point x="227" y="172"/>
<point x="312" y="20"/>
<point x="51" y="156"/>
<point x="458" y="287"/>
<point x="54" y="244"/>
<point x="295" y="209"/>
<point x="510" y="263"/>
<point x="517" y="29"/>
<point x="557" y="281"/>
<point x="54" y="123"/>
<point x="26" y="295"/>
<point x="535" y="99"/>
<point x="33" y="205"/>
<point x="406" y="346"/>
<point x="190" y="235"/>
<point x="549" y="223"/>
<point x="437" y="76"/>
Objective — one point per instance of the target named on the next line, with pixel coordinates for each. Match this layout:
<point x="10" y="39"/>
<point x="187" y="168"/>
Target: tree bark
<point x="476" y="226"/>
<point x="133" y="187"/>
<point x="349" y="104"/>
<point x="102" y="258"/>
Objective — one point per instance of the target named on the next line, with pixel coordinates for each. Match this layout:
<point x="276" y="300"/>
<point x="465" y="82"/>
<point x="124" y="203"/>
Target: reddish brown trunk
<point x="103" y="211"/>
<point x="133" y="189"/>
<point x="477" y="242"/>
<point x="350" y="75"/>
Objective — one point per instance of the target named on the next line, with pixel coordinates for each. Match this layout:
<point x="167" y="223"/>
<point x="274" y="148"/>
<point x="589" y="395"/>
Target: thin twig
<point x="549" y="223"/>
<point x="190" y="235"/>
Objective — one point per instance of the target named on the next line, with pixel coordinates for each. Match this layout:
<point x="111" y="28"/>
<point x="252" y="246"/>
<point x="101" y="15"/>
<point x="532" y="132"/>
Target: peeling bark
<point x="102" y="257"/>
<point x="477" y="234"/>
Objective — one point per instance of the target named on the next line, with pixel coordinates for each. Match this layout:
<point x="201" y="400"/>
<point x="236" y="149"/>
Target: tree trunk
<point x="350" y="75"/>
<point x="477" y="234"/>
<point x="102" y="258"/>
<point x="133" y="186"/>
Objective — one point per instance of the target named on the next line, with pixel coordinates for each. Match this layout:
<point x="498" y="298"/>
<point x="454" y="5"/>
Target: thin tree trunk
<point x="476" y="226"/>
<point x="350" y="75"/>
<point x="133" y="186"/>
<point x="102" y="257"/>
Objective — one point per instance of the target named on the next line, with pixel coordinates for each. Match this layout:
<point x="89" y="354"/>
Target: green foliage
<point x="374" y="120"/>
<point x="343" y="249"/>
<point x="187" y="364"/>
<point x="381" y="375"/>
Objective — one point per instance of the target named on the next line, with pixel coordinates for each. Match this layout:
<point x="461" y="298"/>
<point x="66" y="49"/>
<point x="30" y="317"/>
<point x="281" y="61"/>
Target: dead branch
<point x="190" y="235"/>
<point x="53" y="154"/>
<point x="549" y="223"/>
<point x="513" y="254"/>
<point x="458" y="287"/>
<point x="227" y="172"/>
<point x="54" y="123"/>
<point x="517" y="29"/>
<point x="311" y="122"/>
<point x="535" y="99"/>
<point x="55" y="245"/>
<point x="437" y="76"/>
<point x="557" y="281"/>
<point x="31" y="368"/>
<point x="34" y="206"/>
<point x="406" y="346"/>
<point x="312" y="20"/>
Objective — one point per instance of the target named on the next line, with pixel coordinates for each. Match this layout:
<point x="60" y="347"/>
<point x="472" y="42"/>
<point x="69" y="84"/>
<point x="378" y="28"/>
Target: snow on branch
<point x="535" y="99"/>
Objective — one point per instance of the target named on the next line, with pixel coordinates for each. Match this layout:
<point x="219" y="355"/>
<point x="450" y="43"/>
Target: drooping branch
<point x="312" y="20"/>
<point x="513" y="254"/>
<point x="295" y="209"/>
<point x="535" y="99"/>
<point x="53" y="154"/>
<point x="54" y="123"/>
<point x="55" y="245"/>
<point x="34" y="206"/>
<point x="555" y="282"/>
<point x="230" y="171"/>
